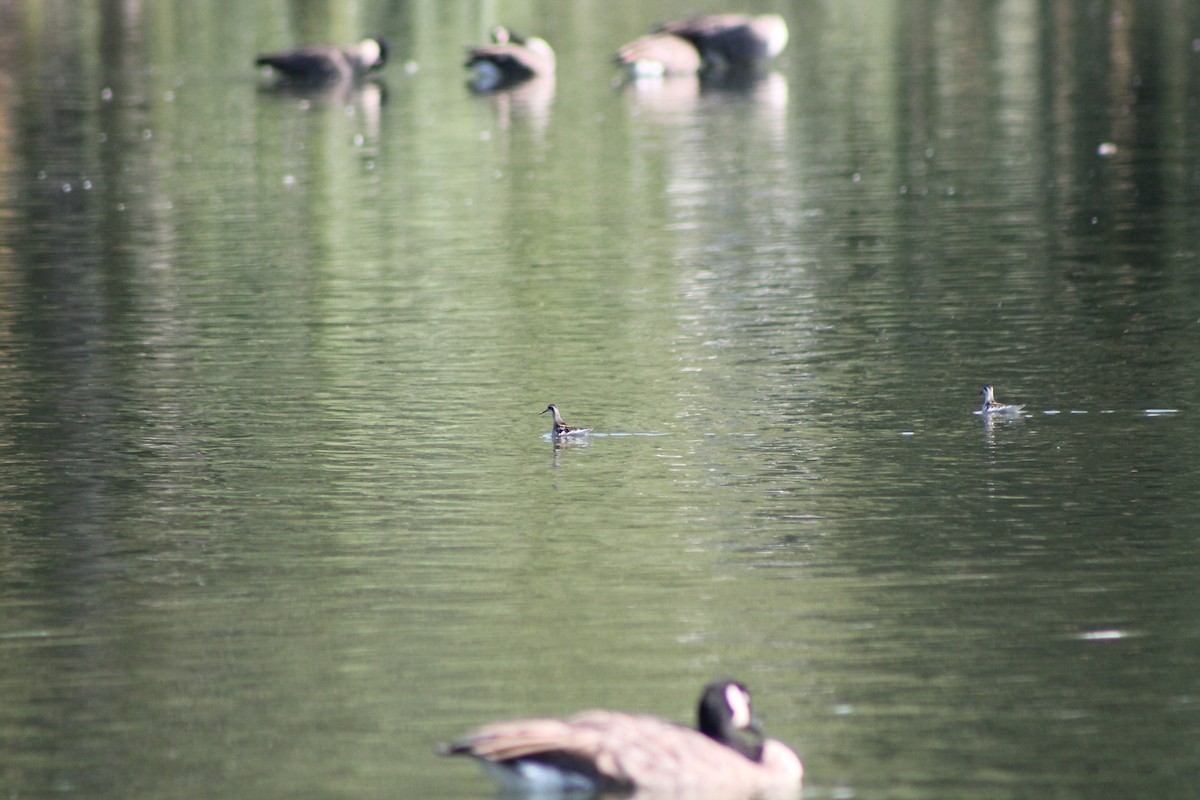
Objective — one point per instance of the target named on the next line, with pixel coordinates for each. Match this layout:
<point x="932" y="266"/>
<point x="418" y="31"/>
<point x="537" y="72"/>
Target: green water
<point x="277" y="509"/>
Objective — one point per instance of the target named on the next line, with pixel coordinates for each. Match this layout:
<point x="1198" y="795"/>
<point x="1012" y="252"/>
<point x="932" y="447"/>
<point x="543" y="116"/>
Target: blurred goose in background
<point x="992" y="406"/>
<point x="326" y="64"/>
<point x="614" y="751"/>
<point x="659" y="55"/>
<point x="509" y="60"/>
<point x="734" y="41"/>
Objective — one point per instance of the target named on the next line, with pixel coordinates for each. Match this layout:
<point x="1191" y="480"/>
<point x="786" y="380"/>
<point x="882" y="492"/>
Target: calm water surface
<point x="277" y="513"/>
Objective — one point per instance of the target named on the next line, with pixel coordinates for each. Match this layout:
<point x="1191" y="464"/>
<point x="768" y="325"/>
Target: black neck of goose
<point x="716" y="724"/>
<point x="751" y="750"/>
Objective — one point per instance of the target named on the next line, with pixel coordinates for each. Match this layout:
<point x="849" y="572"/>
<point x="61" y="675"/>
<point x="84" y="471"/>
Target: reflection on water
<point x="529" y="101"/>
<point x="678" y="93"/>
<point x="668" y="95"/>
<point x="278" y="508"/>
<point x="364" y="98"/>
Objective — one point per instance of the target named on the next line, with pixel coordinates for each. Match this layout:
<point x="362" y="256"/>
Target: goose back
<point x="511" y="59"/>
<point x="326" y="64"/>
<point x="659" y="55"/>
<point x="616" y="751"/>
<point x="735" y="40"/>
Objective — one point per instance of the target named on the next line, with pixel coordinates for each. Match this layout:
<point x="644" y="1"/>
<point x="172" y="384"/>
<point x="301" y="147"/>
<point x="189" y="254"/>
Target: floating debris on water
<point x="37" y="634"/>
<point x="1054" y="412"/>
<point x="611" y="435"/>
<point x="1103" y="635"/>
<point x="630" y="434"/>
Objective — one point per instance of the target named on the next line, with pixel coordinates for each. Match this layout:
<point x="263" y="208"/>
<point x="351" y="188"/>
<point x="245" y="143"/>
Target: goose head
<point x="372" y="53"/>
<point x="725" y="713"/>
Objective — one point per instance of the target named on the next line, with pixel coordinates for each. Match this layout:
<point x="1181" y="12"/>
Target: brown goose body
<point x="615" y="751"/>
<point x="659" y="55"/>
<point x="509" y="60"/>
<point x="737" y="41"/>
<point x="325" y="64"/>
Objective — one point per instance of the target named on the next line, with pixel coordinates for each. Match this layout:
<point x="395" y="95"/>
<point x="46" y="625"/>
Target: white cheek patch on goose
<point x="739" y="707"/>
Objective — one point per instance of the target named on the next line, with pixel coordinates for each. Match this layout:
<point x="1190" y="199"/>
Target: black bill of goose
<point x="659" y="55"/>
<point x="509" y="60"/>
<point x="734" y="41"/>
<point x="327" y="64"/>
<point x="611" y="751"/>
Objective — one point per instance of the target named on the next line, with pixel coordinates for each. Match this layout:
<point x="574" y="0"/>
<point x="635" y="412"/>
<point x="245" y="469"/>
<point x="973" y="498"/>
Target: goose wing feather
<point x="676" y="54"/>
<point x="514" y="60"/>
<point x="704" y="25"/>
<point x="618" y="750"/>
<point x="307" y="62"/>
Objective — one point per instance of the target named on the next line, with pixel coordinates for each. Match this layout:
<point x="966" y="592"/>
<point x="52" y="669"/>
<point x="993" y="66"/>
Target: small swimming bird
<point x="659" y="55"/>
<point x="736" y="41"/>
<point x="614" y="751"/>
<point x="325" y="64"/>
<point x="991" y="406"/>
<point x="559" y="428"/>
<point x="510" y="59"/>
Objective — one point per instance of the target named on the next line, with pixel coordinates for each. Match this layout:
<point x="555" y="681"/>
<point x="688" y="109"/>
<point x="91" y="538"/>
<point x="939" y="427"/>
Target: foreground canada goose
<point x="993" y="406"/>
<point x="509" y="60"/>
<point x="560" y="429"/>
<point x="322" y="64"/>
<point x="659" y="55"/>
<point x="615" y="751"/>
<point x="736" y="41"/>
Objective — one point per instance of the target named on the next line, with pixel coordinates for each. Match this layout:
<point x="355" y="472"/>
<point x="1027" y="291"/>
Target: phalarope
<point x="561" y="429"/>
<point x="991" y="406"/>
